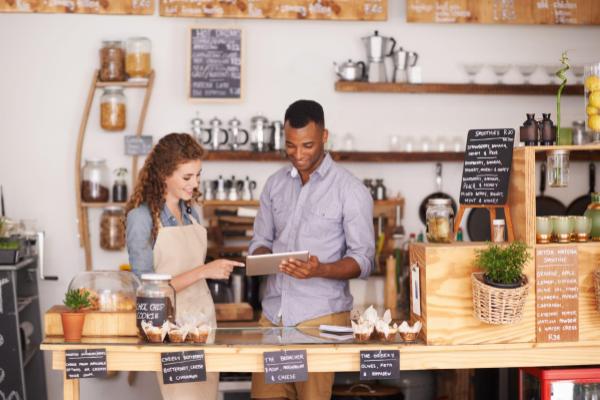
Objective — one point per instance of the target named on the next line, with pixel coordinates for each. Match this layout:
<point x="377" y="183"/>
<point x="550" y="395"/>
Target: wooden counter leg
<point x="70" y="388"/>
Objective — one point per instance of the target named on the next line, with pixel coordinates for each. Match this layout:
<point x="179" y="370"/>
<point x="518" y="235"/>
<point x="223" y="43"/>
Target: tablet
<point x="267" y="264"/>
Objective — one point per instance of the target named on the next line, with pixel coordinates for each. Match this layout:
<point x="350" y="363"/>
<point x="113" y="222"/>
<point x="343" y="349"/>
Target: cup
<point x="543" y="229"/>
<point x="561" y="229"/>
<point x="583" y="228"/>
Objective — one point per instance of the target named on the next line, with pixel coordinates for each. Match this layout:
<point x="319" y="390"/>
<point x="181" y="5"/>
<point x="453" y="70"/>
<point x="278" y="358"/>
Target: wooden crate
<point x="96" y="323"/>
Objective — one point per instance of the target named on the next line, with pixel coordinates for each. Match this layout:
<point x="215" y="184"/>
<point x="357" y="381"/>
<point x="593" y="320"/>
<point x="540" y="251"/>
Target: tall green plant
<point x="76" y="299"/>
<point x="503" y="264"/>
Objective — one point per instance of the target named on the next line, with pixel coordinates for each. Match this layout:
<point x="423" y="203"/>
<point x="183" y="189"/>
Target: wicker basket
<point x="498" y="306"/>
<point x="597" y="288"/>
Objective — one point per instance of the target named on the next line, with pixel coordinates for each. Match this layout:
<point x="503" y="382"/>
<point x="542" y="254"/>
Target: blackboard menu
<point x="215" y="64"/>
<point x="486" y="170"/>
<point x="183" y="367"/>
<point x="11" y="375"/>
<point x="152" y="309"/>
<point x="285" y="366"/>
<point x="379" y="364"/>
<point x="138" y="145"/>
<point x="84" y="363"/>
<point x="556" y="294"/>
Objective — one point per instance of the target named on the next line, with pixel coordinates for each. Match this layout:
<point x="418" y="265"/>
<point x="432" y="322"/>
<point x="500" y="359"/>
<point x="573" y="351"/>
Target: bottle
<point x="119" y="190"/>
<point x="528" y="131"/>
<point x="459" y="235"/>
<point x="379" y="190"/>
<point x="498" y="231"/>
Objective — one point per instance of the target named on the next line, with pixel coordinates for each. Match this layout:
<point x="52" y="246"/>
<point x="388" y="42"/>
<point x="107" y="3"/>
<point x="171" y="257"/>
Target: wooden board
<point x="366" y="10"/>
<point x="563" y="12"/>
<point x="133" y="7"/>
<point x="234" y="312"/>
<point x="96" y="323"/>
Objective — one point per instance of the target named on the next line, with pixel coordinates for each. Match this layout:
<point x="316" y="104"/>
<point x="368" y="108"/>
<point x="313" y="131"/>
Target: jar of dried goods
<point x="440" y="220"/>
<point x="94" y="181"/>
<point x="113" y="109"/>
<point x="137" y="60"/>
<point x="119" y="190"/>
<point x="112" y="229"/>
<point x="155" y="301"/>
<point x="112" y="61"/>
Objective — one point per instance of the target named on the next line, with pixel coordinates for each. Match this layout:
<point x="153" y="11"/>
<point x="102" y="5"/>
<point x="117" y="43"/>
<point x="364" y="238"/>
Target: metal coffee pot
<point x="350" y="70"/>
<point x="208" y="190"/>
<point x="213" y="133"/>
<point x="236" y="133"/>
<point x="277" y="136"/>
<point x="403" y="60"/>
<point x="197" y="128"/>
<point x="233" y="188"/>
<point x="259" y="137"/>
<point x="377" y="50"/>
<point x="220" y="192"/>
<point x="247" y="189"/>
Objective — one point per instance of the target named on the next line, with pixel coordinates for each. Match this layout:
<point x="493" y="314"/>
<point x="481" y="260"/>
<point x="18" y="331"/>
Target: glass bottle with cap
<point x="155" y="300"/>
<point x="498" y="231"/>
<point x="440" y="220"/>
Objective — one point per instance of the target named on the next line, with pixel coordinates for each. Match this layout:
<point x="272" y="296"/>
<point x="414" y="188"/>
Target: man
<point x="318" y="206"/>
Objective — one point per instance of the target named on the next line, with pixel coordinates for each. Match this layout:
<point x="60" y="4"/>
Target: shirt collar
<point x="168" y="215"/>
<point x="321" y="170"/>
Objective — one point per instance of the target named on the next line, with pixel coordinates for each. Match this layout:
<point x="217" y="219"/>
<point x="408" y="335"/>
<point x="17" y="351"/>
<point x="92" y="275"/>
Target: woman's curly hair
<point x="171" y="151"/>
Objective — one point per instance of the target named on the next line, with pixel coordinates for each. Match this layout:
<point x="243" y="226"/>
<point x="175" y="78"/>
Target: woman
<point x="164" y="236"/>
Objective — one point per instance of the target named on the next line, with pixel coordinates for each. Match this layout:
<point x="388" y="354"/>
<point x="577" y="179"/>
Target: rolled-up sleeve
<point x="358" y="228"/>
<point x="139" y="247"/>
<point x="264" y="227"/>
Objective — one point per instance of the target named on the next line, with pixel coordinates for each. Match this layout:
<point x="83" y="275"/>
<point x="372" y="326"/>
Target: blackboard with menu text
<point x="215" y="64"/>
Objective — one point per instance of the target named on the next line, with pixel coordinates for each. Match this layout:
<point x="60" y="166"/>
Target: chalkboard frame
<point x="196" y="100"/>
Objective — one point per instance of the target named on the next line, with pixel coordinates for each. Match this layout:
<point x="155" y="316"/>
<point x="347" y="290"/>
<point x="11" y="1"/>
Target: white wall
<point x="47" y="63"/>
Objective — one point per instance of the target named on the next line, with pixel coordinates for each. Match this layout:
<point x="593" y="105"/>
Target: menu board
<point x="183" y="367"/>
<point x="556" y="294"/>
<point x="366" y="10"/>
<point x="285" y="366"/>
<point x="132" y="7"/>
<point x="563" y="12"/>
<point x="486" y="170"/>
<point x="215" y="64"/>
<point x="85" y="363"/>
<point x="138" y="145"/>
<point x="379" y="364"/>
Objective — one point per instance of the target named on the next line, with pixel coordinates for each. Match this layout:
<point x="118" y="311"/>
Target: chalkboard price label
<point x="85" y="363"/>
<point x="183" y="367"/>
<point x="486" y="170"/>
<point x="379" y="364"/>
<point x="151" y="309"/>
<point x="138" y="145"/>
<point x="285" y="366"/>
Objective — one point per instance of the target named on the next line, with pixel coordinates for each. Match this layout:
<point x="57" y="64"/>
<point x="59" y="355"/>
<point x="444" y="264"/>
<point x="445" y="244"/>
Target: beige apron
<point x="177" y="250"/>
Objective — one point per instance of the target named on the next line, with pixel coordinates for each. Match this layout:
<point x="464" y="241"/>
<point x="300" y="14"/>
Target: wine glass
<point x="577" y="73"/>
<point x="472" y="70"/>
<point x="551" y="72"/>
<point x="500" y="70"/>
<point x="526" y="70"/>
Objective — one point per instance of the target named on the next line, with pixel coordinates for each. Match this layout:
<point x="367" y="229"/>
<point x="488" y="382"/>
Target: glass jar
<point x="112" y="61"/>
<point x="593" y="213"/>
<point x="498" y="231"/>
<point x="155" y="300"/>
<point x="137" y="61"/>
<point x="592" y="99"/>
<point x="94" y="182"/>
<point x="440" y="220"/>
<point x="113" y="109"/>
<point x="112" y="229"/>
<point x="109" y="290"/>
<point x="557" y="174"/>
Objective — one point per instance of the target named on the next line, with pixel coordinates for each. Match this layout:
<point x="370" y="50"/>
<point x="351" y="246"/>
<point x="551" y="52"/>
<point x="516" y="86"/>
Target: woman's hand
<point x="219" y="269"/>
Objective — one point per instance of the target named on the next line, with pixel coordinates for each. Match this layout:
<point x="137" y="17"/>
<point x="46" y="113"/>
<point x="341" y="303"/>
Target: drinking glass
<point x="551" y="72"/>
<point x="500" y="70"/>
<point x="472" y="70"/>
<point x="577" y="73"/>
<point x="526" y="70"/>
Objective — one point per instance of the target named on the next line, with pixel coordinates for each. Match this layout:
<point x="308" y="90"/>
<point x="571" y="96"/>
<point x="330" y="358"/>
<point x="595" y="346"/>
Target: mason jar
<point x="113" y="109"/>
<point x="137" y="60"/>
<point x="440" y="220"/>
<point x="112" y="229"/>
<point x="95" y="181"/>
<point x="155" y="301"/>
<point x="592" y="99"/>
<point x="112" y="61"/>
<point x="557" y="174"/>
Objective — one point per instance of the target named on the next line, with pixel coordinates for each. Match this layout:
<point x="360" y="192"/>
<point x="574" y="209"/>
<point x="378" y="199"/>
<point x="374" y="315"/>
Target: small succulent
<point x="76" y="299"/>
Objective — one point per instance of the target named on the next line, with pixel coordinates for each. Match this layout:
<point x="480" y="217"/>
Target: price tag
<point x="89" y="363"/>
<point x="138" y="145"/>
<point x="379" y="364"/>
<point x="285" y="366"/>
<point x="183" y="367"/>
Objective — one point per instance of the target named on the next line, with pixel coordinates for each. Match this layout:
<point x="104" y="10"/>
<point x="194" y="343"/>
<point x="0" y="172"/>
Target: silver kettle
<point x="350" y="70"/>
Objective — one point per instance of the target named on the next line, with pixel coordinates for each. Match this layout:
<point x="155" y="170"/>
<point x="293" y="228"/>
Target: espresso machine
<point x="378" y="48"/>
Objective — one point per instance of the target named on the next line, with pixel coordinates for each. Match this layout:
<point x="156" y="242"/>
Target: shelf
<point x="23" y="302"/>
<point x="580" y="245"/>
<point x="255" y="203"/>
<point x="456" y="88"/>
<point x="342" y="156"/>
<point x="102" y="205"/>
<point x="126" y="84"/>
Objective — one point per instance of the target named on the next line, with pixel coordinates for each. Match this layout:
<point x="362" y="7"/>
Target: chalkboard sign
<point x="285" y="366"/>
<point x="152" y="309"/>
<point x="379" y="364"/>
<point x="11" y="374"/>
<point x="486" y="170"/>
<point x="215" y="64"/>
<point x="183" y="367"/>
<point x="85" y="363"/>
<point x="138" y="145"/>
<point x="556" y="294"/>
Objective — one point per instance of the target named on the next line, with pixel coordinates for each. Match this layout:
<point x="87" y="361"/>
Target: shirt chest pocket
<point x="324" y="221"/>
<point x="281" y="215"/>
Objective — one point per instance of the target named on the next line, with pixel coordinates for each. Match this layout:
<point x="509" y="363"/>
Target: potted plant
<point x="72" y="320"/>
<point x="500" y="291"/>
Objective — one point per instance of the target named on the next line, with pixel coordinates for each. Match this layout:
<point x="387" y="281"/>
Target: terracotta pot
<point x="72" y="323"/>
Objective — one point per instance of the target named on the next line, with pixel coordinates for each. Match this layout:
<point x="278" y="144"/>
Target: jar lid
<point x="156" y="277"/>
<point x="113" y="208"/>
<point x="95" y="160"/>
<point x="498" y="222"/>
<point x="112" y="43"/>
<point x="559" y="152"/>
<point x="113" y="88"/>
<point x="439" y="202"/>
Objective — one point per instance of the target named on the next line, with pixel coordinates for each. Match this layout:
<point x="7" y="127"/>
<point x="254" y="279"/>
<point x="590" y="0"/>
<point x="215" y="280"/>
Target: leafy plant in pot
<point x="72" y="320"/>
<point x="503" y="265"/>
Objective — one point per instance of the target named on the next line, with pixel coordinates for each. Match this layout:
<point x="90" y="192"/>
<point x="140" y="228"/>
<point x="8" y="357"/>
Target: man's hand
<point x="300" y="269"/>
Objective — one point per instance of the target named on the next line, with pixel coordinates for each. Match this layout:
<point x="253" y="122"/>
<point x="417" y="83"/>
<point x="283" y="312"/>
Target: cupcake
<point x="362" y="330"/>
<point x="177" y="335"/>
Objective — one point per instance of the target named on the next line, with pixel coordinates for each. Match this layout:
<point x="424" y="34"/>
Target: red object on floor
<point x="536" y="383"/>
